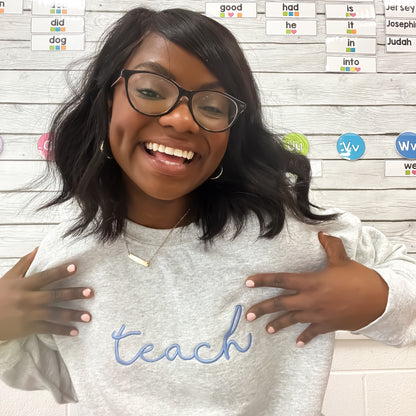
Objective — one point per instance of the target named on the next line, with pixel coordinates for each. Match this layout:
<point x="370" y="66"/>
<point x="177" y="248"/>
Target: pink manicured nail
<point x="270" y="330"/>
<point x="71" y="268"/>
<point x="73" y="333"/>
<point x="300" y="344"/>
<point x="251" y="316"/>
<point x="85" y="317"/>
<point x="249" y="283"/>
<point x="86" y="292"/>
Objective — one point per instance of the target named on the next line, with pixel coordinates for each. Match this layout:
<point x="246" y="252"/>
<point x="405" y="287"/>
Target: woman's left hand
<point x="344" y="296"/>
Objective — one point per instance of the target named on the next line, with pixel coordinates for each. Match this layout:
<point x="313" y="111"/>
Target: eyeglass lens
<point x="154" y="95"/>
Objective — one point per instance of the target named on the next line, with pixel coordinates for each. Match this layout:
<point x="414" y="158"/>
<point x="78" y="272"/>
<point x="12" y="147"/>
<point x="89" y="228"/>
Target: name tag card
<point x="351" y="45"/>
<point x="58" y="42"/>
<point x="350" y="64"/>
<point x="400" y="8"/>
<point x="350" y="11"/>
<point x="400" y="168"/>
<point x="59" y="8"/>
<point x="57" y="24"/>
<point x="400" y="44"/>
<point x="290" y="9"/>
<point x="291" y="27"/>
<point x="11" y="7"/>
<point x="351" y="27"/>
<point x="231" y="10"/>
<point x="400" y="27"/>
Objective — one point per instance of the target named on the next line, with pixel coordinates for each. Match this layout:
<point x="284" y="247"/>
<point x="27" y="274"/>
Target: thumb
<point x="21" y="267"/>
<point x="334" y="249"/>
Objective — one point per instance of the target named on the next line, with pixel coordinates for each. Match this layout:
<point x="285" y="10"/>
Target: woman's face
<point x="153" y="173"/>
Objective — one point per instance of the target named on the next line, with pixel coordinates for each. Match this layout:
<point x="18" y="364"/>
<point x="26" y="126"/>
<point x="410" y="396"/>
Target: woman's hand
<point x="345" y="295"/>
<point x="27" y="308"/>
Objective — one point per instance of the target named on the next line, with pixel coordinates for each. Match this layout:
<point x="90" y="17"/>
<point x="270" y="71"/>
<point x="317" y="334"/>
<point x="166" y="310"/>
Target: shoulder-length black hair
<point x="259" y="177"/>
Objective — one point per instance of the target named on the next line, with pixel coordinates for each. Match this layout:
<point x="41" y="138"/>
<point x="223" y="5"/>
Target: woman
<point x="197" y="239"/>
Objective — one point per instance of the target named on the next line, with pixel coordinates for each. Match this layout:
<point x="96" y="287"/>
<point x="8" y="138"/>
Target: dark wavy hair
<point x="260" y="175"/>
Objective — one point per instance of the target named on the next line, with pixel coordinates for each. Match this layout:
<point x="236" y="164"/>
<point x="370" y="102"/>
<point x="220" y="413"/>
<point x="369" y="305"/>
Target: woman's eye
<point x="149" y="94"/>
<point x="212" y="110"/>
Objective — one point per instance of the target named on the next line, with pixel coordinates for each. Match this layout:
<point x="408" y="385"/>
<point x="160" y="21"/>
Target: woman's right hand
<point x="26" y="307"/>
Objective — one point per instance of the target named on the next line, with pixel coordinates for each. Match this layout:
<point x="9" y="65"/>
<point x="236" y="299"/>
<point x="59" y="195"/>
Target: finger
<point x="43" y="327"/>
<point x="312" y="331"/>
<point x="60" y="315"/>
<point x="44" y="297"/>
<point x="279" y="303"/>
<point x="334" y="249"/>
<point x="46" y="277"/>
<point x="291" y="281"/>
<point x="21" y="267"/>
<point x="286" y="320"/>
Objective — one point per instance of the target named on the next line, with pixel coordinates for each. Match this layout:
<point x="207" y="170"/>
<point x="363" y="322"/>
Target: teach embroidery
<point x="174" y="351"/>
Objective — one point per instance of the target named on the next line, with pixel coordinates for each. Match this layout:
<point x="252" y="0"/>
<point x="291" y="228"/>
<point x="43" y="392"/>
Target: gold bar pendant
<point x="138" y="260"/>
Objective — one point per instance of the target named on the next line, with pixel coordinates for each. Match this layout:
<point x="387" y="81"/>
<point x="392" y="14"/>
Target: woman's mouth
<point x="169" y="154"/>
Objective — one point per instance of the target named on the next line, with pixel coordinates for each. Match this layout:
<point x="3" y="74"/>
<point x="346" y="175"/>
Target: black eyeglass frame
<point x="182" y="92"/>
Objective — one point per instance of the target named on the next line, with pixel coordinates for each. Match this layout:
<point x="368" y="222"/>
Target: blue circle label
<point x="406" y="145"/>
<point x="350" y="146"/>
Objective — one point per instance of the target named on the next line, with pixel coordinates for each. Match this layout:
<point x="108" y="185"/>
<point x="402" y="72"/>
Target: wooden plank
<point x="18" y="240"/>
<point x="360" y="174"/>
<point x="337" y="174"/>
<point x="315" y="120"/>
<point x="262" y="57"/>
<point x="44" y="87"/>
<point x="24" y="147"/>
<point x="377" y="205"/>
<point x="18" y="27"/>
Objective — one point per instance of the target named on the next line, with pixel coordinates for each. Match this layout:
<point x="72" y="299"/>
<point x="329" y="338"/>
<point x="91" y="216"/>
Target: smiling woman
<point x="165" y="151"/>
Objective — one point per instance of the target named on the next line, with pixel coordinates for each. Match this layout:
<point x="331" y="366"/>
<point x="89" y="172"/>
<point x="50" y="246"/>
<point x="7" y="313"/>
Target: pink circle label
<point x="43" y="145"/>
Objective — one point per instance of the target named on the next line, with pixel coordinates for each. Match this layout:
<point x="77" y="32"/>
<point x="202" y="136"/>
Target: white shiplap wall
<point x="298" y="95"/>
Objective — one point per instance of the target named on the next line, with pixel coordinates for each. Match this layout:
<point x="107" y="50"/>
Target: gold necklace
<point x="146" y="263"/>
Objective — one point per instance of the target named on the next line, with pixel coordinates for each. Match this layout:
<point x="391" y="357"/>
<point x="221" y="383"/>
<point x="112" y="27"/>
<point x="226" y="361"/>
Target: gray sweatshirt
<point x="172" y="339"/>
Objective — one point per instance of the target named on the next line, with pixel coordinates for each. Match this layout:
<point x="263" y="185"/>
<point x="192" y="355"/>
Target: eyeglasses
<point x="156" y="95"/>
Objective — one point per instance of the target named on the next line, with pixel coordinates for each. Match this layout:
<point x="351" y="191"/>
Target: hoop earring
<point x="214" y="178"/>
<point x="102" y="151"/>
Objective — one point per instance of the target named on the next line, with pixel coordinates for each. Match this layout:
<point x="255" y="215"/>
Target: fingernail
<point x="270" y="330"/>
<point x="325" y="234"/>
<point x="249" y="283"/>
<point x="86" y="292"/>
<point x="85" y="317"/>
<point x="251" y="316"/>
<point x="300" y="344"/>
<point x="73" y="333"/>
<point x="71" y="268"/>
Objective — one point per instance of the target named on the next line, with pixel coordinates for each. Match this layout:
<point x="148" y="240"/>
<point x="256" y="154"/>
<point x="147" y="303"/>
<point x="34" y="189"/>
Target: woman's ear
<point x="109" y="108"/>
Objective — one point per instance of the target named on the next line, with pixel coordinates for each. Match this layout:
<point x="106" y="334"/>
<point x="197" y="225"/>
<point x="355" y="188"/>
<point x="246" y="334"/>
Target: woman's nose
<point x="180" y="118"/>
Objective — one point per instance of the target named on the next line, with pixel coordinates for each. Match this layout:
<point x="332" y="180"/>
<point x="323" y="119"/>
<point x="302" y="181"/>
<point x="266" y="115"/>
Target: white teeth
<point x="186" y="154"/>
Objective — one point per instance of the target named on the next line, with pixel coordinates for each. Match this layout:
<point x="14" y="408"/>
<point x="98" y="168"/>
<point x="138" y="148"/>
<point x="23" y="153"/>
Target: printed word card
<point x="231" y="10"/>
<point x="351" y="27"/>
<point x="400" y="44"/>
<point x="351" y="45"/>
<point x="290" y="9"/>
<point x="350" y="11"/>
<point x="58" y="42"/>
<point x="347" y="64"/>
<point x="291" y="27"/>
<point x="11" y="7"/>
<point x="400" y="27"/>
<point x="400" y="8"/>
<point x="400" y="168"/>
<point x="58" y="24"/>
<point x="58" y="8"/>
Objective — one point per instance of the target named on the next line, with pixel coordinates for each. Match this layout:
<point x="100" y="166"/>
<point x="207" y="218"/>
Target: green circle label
<point x="296" y="142"/>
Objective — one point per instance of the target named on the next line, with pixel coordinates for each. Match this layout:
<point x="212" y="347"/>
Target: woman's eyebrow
<point x="160" y="69"/>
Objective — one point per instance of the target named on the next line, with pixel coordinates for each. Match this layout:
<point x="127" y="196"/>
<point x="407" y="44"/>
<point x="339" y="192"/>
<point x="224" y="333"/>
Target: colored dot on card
<point x="51" y="48"/>
<point x="296" y="13"/>
<point x="347" y="15"/>
<point x="290" y="13"/>
<point x="284" y="13"/>
<point x="343" y="68"/>
<point x="239" y="14"/>
<point x="1" y="10"/>
<point x="353" y="31"/>
<point x="64" y="11"/>
<point x="63" y="47"/>
<point x="222" y="14"/>
<point x="52" y="11"/>
<point x="348" y="69"/>
<point x="352" y="49"/>
<point x="288" y="31"/>
<point x="407" y="172"/>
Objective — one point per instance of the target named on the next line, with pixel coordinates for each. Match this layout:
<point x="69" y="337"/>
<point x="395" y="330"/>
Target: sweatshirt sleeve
<point x="34" y="362"/>
<point x="397" y="325"/>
